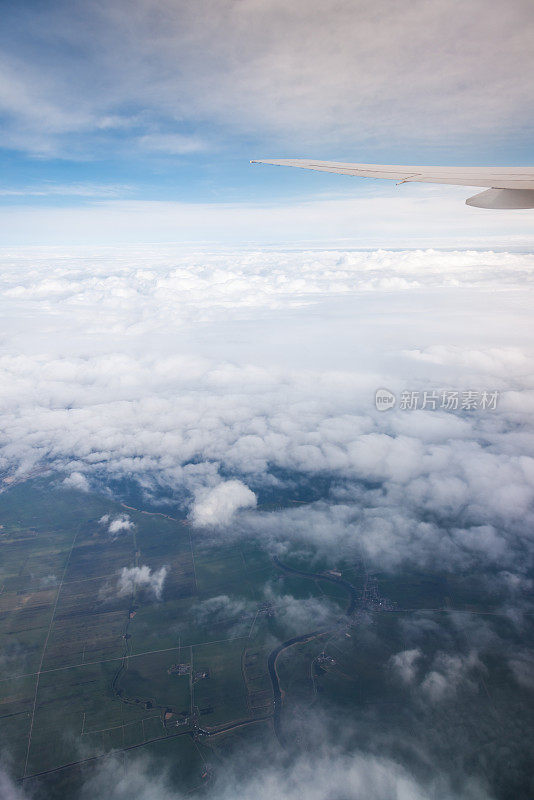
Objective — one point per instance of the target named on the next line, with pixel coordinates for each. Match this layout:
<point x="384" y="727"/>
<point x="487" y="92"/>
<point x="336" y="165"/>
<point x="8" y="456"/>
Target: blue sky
<point x="166" y="102"/>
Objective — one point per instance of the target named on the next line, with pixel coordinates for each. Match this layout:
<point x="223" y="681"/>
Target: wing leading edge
<point x="509" y="187"/>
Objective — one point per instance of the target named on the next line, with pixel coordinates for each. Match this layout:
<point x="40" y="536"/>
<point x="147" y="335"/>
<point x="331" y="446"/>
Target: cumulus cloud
<point x="522" y="666"/>
<point x="449" y="673"/>
<point x="116" y="525"/>
<point x="222" y="608"/>
<point x="133" y="578"/>
<point x="142" y="289"/>
<point x="325" y="773"/>
<point x="293" y="614"/>
<point x="234" y="613"/>
<point x="404" y="664"/>
<point x="327" y="766"/>
<point x="297" y="614"/>
<point x="121" y="523"/>
<point x="77" y="480"/>
<point x="217" y="506"/>
<point x="212" y="376"/>
<point x="386" y="527"/>
<point x="9" y="790"/>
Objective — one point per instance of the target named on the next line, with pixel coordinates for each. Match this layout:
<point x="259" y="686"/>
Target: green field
<point x="86" y="671"/>
<point x="89" y="672"/>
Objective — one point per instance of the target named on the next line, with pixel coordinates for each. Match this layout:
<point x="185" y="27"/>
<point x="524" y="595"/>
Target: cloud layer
<point x="329" y="774"/>
<point x="229" y="372"/>
<point x="413" y="215"/>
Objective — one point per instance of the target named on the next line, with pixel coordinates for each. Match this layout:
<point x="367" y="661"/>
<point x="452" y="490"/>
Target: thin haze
<point x="143" y="116"/>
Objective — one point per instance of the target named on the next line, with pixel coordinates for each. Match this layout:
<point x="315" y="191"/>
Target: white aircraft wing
<point x="509" y="187"/>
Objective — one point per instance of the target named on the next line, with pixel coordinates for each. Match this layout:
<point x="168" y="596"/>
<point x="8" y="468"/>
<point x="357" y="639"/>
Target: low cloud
<point x="77" y="480"/>
<point x="9" y="790"/>
<point x="48" y="580"/>
<point x="404" y="664"/>
<point x="297" y="614"/>
<point x="273" y="384"/>
<point x="222" y="608"/>
<point x="522" y="666"/>
<point x="449" y="673"/>
<point x="234" y="614"/>
<point x="133" y="578"/>
<point x="216" y="507"/>
<point x="408" y="217"/>
<point x="324" y="773"/>
<point x="116" y="525"/>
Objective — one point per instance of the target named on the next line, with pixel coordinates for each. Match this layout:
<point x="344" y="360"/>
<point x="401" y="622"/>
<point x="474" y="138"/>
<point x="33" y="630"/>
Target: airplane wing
<point x="508" y="187"/>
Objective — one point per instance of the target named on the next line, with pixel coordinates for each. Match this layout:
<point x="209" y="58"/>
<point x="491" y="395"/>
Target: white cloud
<point x="435" y="686"/>
<point x="77" y="480"/>
<point x="222" y="608"/>
<point x="133" y="578"/>
<point x="295" y="614"/>
<point x="385" y="216"/>
<point x="450" y="672"/>
<point x="217" y="506"/>
<point x="404" y="664"/>
<point x="8" y="787"/>
<point x="235" y="613"/>
<point x="121" y="523"/>
<point x="323" y="773"/>
<point x="522" y="666"/>
<point x="491" y="361"/>
<point x="172" y="143"/>
<point x="209" y="364"/>
<point x="68" y="189"/>
<point x="117" y="524"/>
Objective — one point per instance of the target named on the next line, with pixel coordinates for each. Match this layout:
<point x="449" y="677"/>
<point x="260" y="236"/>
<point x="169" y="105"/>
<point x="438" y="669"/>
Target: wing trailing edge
<point x="509" y="187"/>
